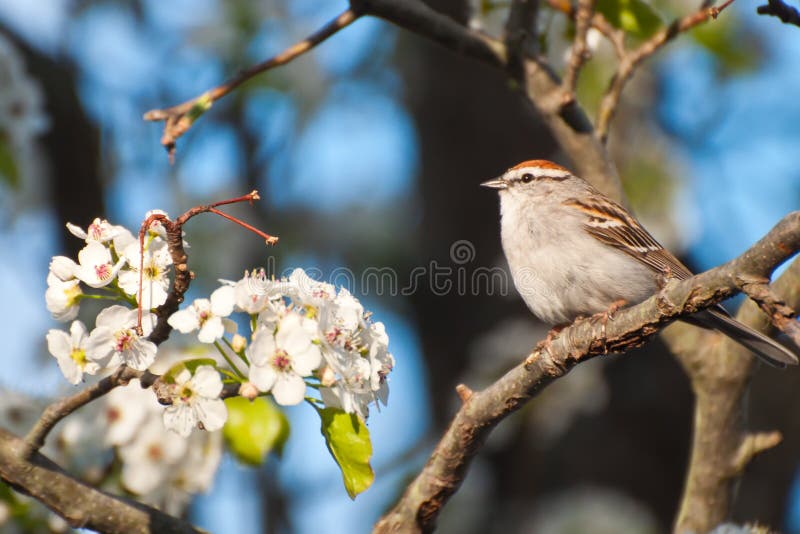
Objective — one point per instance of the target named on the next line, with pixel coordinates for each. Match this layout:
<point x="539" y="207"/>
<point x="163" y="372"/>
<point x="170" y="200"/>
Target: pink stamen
<point x="103" y="271"/>
<point x="281" y="361"/>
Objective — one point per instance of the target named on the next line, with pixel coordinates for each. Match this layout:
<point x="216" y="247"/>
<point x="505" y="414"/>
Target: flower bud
<point x="248" y="391"/>
<point x="239" y="343"/>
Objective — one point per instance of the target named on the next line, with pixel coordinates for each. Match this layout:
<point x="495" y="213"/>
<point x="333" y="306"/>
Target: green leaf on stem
<point x="347" y="438"/>
<point x="254" y="429"/>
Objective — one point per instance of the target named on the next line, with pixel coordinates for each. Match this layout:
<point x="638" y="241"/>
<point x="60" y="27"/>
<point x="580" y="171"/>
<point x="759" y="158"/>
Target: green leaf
<point x="9" y="172"/>
<point x="191" y="365"/>
<point x="348" y="440"/>
<point x="254" y="429"/>
<point x="636" y="17"/>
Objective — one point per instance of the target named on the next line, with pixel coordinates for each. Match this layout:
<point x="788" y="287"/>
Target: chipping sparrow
<point x="574" y="252"/>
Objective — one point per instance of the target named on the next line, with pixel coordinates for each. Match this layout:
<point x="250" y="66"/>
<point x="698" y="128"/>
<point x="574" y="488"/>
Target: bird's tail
<point x="769" y="350"/>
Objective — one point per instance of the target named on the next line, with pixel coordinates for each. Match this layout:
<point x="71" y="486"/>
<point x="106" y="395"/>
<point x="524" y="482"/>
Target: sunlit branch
<point x="633" y="58"/>
<point x="178" y="119"/>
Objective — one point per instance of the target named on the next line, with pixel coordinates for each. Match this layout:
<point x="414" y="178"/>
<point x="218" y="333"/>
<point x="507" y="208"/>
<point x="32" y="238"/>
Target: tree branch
<point x="81" y="505"/>
<point x="614" y="35"/>
<point x="580" y="51"/>
<point x="721" y="444"/>
<point x="59" y="409"/>
<point x="782" y="316"/>
<point x="481" y="411"/>
<point x="417" y="17"/>
<point x="632" y="59"/>
<point x="777" y="8"/>
<point x="178" y="119"/>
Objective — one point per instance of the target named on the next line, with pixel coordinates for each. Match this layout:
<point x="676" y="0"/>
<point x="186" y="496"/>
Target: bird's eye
<point x="527" y="178"/>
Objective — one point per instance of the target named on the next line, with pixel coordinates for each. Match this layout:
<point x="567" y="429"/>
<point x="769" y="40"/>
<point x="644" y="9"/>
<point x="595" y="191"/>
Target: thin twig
<point x="580" y="51"/>
<point x="178" y="119"/>
<point x="632" y="59"/>
<point x="782" y="316"/>
<point x="777" y="8"/>
<point x="614" y="35"/>
<point x="56" y="411"/>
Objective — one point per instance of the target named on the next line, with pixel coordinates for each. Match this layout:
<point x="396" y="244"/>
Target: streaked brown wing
<point x="611" y="224"/>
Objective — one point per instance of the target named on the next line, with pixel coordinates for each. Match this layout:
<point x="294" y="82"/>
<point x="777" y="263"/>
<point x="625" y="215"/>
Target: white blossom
<point x="196" y="399"/>
<point x="205" y="315"/>
<point x="308" y="293"/>
<point x="125" y="411"/>
<point x="155" y="279"/>
<point x="70" y="352"/>
<point x="63" y="268"/>
<point x="96" y="267"/>
<point x="100" y="231"/>
<point x="115" y="341"/>
<point x="280" y="360"/>
<point x="148" y="459"/>
<point x="62" y="298"/>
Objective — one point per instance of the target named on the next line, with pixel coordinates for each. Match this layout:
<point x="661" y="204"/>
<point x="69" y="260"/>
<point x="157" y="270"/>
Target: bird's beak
<point x="497" y="183"/>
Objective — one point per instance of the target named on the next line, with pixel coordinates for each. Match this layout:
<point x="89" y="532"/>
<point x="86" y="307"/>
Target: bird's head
<point x="530" y="178"/>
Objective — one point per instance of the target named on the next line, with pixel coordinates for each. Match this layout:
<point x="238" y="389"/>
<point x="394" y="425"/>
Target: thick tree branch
<point x="178" y="119"/>
<point x="483" y="410"/>
<point x="632" y="59"/>
<point x="415" y="16"/>
<point x="778" y="8"/>
<point x="81" y="505"/>
<point x="720" y="372"/>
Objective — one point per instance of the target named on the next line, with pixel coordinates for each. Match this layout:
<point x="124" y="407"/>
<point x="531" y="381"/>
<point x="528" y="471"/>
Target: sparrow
<point x="573" y="252"/>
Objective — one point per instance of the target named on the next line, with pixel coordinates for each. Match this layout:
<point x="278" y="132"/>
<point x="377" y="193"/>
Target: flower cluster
<point x="303" y="334"/>
<point x="108" y="263"/>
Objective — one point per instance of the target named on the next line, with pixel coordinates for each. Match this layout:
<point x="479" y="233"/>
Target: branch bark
<point x="721" y="444"/>
<point x="481" y="411"/>
<point x="81" y="505"/>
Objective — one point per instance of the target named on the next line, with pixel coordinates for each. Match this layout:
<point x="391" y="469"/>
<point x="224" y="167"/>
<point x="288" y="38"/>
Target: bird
<point x="573" y="252"/>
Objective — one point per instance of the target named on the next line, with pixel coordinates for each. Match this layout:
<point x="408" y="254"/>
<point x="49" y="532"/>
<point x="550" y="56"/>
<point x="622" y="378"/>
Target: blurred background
<point x="368" y="152"/>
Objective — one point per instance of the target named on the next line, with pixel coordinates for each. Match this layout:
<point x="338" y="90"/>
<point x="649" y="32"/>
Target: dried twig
<point x="178" y="119"/>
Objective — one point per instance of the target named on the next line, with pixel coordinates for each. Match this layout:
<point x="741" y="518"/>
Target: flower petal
<point x="212" y="413"/>
<point x="262" y="376"/>
<point x="289" y="389"/>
